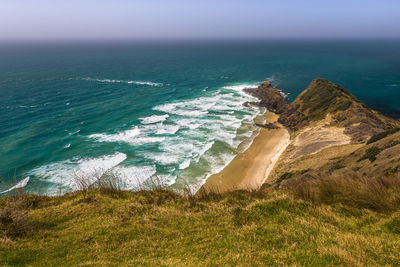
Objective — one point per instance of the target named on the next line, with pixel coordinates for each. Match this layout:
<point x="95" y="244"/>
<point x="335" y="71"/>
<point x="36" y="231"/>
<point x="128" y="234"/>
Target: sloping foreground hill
<point x="160" y="228"/>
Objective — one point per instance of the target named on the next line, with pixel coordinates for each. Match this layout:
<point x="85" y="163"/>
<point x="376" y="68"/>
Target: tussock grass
<point x="356" y="222"/>
<point x="162" y="227"/>
<point x="380" y="194"/>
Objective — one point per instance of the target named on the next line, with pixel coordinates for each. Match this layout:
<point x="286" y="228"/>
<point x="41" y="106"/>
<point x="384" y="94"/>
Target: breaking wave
<point x="185" y="144"/>
<point x="203" y="131"/>
<point x="154" y="119"/>
<point x="20" y="184"/>
<point x="65" y="172"/>
<point x="121" y="81"/>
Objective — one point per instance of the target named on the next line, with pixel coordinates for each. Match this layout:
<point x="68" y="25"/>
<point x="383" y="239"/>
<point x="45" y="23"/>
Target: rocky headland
<point x="332" y="132"/>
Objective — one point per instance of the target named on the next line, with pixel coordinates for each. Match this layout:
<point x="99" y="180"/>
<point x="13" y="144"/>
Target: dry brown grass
<point x="14" y="218"/>
<point x="163" y="228"/>
<point x="380" y="194"/>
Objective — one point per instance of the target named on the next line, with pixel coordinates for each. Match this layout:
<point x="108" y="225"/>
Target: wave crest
<point x="20" y="184"/>
<point x="154" y="119"/>
<point x="121" y="81"/>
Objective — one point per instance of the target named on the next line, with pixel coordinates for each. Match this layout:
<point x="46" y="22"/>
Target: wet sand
<point x="249" y="169"/>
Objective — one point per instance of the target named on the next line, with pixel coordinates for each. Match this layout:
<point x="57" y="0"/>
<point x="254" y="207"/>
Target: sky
<point x="186" y="19"/>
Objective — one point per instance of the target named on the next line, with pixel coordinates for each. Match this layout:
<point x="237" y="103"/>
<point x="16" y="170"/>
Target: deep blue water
<point x="171" y="108"/>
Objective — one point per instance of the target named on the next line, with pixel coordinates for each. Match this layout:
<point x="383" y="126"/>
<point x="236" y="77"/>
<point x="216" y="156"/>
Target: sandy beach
<point x="249" y="169"/>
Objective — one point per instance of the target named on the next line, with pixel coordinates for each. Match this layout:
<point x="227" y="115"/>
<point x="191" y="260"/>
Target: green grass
<point x="160" y="228"/>
<point x="323" y="97"/>
<point x="381" y="194"/>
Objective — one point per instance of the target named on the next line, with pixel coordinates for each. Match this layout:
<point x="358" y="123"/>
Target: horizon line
<point x="194" y="39"/>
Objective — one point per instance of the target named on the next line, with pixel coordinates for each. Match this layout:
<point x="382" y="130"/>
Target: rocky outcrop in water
<point x="270" y="97"/>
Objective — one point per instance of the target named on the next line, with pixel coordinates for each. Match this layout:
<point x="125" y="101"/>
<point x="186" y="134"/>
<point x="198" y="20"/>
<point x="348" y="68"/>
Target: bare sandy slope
<point x="314" y="146"/>
<point x="318" y="137"/>
<point x="249" y="170"/>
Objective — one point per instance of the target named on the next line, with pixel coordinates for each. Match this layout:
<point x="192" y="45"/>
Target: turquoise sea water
<point x="171" y="108"/>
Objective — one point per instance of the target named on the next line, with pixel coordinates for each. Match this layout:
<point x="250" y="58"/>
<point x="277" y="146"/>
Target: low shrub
<point x="394" y="225"/>
<point x="342" y="105"/>
<point x="337" y="166"/>
<point x="371" y="153"/>
<point x="14" y="218"/>
<point x="382" y="135"/>
<point x="340" y="117"/>
<point x="284" y="176"/>
<point x="392" y="171"/>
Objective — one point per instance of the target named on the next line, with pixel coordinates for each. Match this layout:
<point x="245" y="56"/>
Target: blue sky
<point x="123" y="19"/>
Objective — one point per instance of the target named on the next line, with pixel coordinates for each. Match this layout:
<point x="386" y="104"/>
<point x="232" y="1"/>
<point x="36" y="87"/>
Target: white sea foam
<point x="145" y="140"/>
<point x="154" y="119"/>
<point x="285" y="95"/>
<point x="125" y="136"/>
<point x="240" y="87"/>
<point x="182" y="109"/>
<point x="217" y="164"/>
<point x="20" y="184"/>
<point x="134" y="177"/>
<point x="190" y="108"/>
<point x="204" y="149"/>
<point x="162" y="158"/>
<point x="134" y="136"/>
<point x="74" y="132"/>
<point x="201" y="123"/>
<point x="189" y="123"/>
<point x="121" y="81"/>
<point x="184" y="164"/>
<point x="22" y="106"/>
<point x="167" y="129"/>
<point x="166" y="179"/>
<point x="65" y="172"/>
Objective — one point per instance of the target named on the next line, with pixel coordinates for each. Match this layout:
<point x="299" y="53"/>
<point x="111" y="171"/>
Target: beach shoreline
<point x="250" y="169"/>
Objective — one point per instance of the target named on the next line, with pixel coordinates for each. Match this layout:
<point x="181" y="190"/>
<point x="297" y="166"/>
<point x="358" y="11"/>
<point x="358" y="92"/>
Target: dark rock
<point x="250" y="103"/>
<point x="270" y="97"/>
<point x="268" y="125"/>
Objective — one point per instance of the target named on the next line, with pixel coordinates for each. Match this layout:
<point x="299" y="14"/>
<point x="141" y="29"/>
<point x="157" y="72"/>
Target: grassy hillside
<point x="364" y="150"/>
<point x="110" y="227"/>
<point x="322" y="98"/>
<point x="379" y="157"/>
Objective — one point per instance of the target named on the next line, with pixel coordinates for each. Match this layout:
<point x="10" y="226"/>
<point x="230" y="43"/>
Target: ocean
<point x="172" y="109"/>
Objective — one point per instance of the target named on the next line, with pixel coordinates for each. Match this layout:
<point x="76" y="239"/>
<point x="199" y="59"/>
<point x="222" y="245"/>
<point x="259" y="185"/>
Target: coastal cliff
<point x="320" y="99"/>
<point x="333" y="135"/>
<point x="325" y="119"/>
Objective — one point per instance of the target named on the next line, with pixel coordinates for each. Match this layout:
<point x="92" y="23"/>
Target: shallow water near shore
<point x="171" y="108"/>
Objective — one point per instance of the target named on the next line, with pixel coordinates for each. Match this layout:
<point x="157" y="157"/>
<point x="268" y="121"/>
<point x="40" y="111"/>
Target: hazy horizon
<point x="187" y="20"/>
